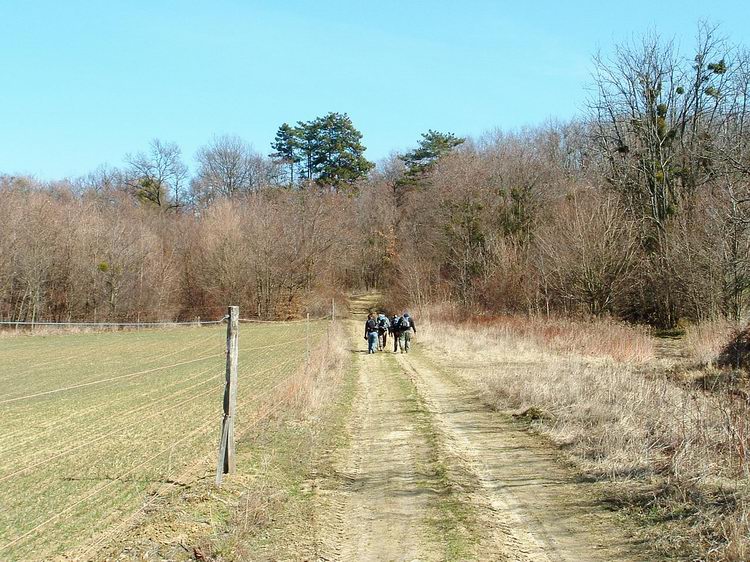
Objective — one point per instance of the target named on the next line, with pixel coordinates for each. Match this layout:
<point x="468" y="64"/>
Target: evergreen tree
<point x="328" y="149"/>
<point x="420" y="161"/>
<point x="307" y="143"/>
<point x="286" y="145"/>
<point x="339" y="159"/>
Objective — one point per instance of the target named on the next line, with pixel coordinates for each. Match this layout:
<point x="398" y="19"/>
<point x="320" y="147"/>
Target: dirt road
<point x="386" y="487"/>
<point x="430" y="473"/>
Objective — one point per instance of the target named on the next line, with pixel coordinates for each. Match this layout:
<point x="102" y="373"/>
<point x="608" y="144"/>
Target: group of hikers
<point x="378" y="326"/>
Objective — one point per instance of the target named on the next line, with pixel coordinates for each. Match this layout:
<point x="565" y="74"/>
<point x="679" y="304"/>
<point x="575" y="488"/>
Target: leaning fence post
<point x="226" y="462"/>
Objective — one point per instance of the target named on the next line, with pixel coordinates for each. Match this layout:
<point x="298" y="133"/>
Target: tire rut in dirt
<point x="540" y="510"/>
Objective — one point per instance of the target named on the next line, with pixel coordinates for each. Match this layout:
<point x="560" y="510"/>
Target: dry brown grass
<point x="7" y="331"/>
<point x="601" y="338"/>
<point x="592" y="392"/>
<point x="10" y="332"/>
<point x="704" y="342"/>
<point x="319" y="376"/>
<point x="597" y="337"/>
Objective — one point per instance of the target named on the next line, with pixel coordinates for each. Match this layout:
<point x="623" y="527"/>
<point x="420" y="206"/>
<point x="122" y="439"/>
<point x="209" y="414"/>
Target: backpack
<point x="372" y="326"/>
<point x="382" y="321"/>
<point x="405" y="323"/>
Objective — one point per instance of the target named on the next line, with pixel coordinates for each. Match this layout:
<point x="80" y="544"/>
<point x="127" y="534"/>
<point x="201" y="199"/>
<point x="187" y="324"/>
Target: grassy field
<point x="92" y="425"/>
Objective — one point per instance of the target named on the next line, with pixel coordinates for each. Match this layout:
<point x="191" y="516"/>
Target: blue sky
<point x="85" y="82"/>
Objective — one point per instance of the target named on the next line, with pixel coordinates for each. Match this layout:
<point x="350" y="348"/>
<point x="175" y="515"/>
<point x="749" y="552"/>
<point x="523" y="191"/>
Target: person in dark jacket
<point x="371" y="334"/>
<point x="394" y="331"/>
<point x="405" y="326"/>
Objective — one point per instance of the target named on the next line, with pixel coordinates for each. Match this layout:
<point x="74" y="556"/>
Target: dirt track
<point x="430" y="473"/>
<point x="385" y="489"/>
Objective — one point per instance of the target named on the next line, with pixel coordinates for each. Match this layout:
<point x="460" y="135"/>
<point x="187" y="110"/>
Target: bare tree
<point x="653" y="118"/>
<point x="655" y="121"/>
<point x="158" y="176"/>
<point x="104" y="180"/>
<point x="586" y="258"/>
<point x="227" y="167"/>
<point x="732" y="170"/>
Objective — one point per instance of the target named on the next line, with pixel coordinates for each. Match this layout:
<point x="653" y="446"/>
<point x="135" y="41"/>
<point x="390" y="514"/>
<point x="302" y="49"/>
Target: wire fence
<point x="115" y="324"/>
<point x="161" y="324"/>
<point x="94" y="426"/>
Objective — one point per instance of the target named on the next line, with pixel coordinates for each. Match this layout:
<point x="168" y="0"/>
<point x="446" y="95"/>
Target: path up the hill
<point x="430" y="473"/>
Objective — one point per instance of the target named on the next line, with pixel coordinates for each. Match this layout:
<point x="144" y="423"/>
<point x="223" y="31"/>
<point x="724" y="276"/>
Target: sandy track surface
<point x="420" y="442"/>
<point x="542" y="511"/>
<point x="384" y="489"/>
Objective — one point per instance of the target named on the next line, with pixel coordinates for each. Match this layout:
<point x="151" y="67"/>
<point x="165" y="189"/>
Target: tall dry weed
<point x="319" y="376"/>
<point x="598" y="337"/>
<point x="704" y="342"/>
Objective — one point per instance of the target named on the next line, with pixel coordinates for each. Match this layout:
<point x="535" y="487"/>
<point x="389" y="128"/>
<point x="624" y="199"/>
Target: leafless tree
<point x="104" y="180"/>
<point x="586" y="258"/>
<point x="158" y="177"/>
<point x="227" y="167"/>
<point x="656" y="119"/>
<point x="653" y="115"/>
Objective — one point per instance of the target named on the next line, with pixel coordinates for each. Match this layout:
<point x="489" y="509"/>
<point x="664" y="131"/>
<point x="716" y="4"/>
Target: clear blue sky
<point x="85" y="82"/>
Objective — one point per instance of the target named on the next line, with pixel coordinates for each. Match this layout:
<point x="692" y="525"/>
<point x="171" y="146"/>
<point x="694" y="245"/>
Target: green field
<point x="93" y="425"/>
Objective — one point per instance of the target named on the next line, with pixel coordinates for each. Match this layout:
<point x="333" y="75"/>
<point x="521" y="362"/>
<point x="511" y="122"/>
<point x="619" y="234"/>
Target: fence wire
<point x="115" y="324"/>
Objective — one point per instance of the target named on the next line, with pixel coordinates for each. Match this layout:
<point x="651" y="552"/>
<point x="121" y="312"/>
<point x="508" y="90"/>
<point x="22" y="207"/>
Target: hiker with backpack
<point x="371" y="333"/>
<point x="394" y="331"/>
<point x="384" y="326"/>
<point x="405" y="326"/>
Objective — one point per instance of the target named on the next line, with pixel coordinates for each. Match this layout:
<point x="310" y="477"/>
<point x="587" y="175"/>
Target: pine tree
<point x="286" y="146"/>
<point x="328" y="148"/>
<point x="420" y="161"/>
<point x="339" y="159"/>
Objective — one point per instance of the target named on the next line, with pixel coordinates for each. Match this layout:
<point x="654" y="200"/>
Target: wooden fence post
<point x="226" y="462"/>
